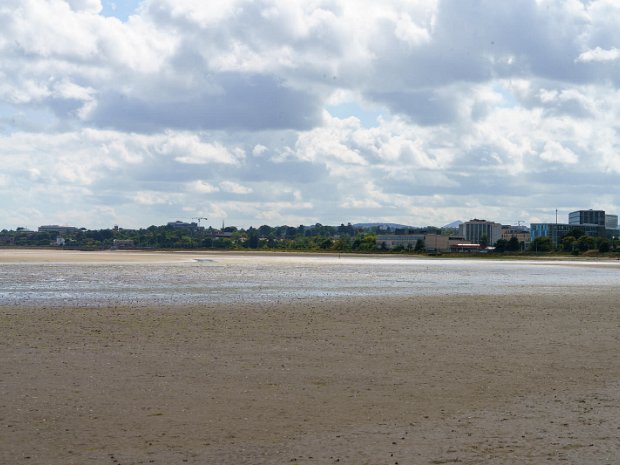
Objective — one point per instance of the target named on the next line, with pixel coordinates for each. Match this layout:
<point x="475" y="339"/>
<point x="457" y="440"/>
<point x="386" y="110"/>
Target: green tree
<point x="343" y="243"/>
<point x="541" y="244"/>
<point x="604" y="246"/>
<point x="513" y="244"/>
<point x="419" y="246"/>
<point x="568" y="243"/>
<point x="585" y="243"/>
<point x="253" y="239"/>
<point x="484" y="240"/>
<point x="501" y="245"/>
<point x="326" y="244"/>
<point x="265" y="230"/>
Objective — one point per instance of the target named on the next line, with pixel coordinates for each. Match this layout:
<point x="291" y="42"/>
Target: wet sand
<point x="419" y="380"/>
<point x="41" y="255"/>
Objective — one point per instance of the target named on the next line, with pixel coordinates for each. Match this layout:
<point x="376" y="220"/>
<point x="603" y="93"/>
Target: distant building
<point x="223" y="234"/>
<point x="611" y="221"/>
<point x="183" y="225"/>
<point x="589" y="222"/>
<point x="587" y="217"/>
<point x="522" y="233"/>
<point x="122" y="244"/>
<point x="556" y="231"/>
<point x="58" y="229"/>
<point x="432" y="242"/>
<point x="474" y="230"/>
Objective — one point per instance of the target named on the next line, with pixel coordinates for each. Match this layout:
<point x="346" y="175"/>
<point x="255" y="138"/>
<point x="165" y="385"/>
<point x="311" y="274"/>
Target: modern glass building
<point x="556" y="231"/>
<point x="587" y="217"/>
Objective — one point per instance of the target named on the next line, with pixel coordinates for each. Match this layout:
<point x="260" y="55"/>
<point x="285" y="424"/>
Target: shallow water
<point x="238" y="278"/>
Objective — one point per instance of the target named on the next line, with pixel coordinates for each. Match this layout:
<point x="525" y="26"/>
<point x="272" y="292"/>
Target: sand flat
<point x="429" y="380"/>
<point x="13" y="256"/>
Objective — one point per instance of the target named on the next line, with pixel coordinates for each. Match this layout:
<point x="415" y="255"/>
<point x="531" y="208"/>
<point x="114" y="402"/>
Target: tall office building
<point x="475" y="229"/>
<point x="587" y="217"/>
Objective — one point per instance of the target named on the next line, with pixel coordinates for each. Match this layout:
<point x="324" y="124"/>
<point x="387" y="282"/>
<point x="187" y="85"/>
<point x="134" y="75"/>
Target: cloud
<point x="235" y="188"/>
<point x="155" y="198"/>
<point x="89" y="6"/>
<point x="557" y="153"/>
<point x="241" y="102"/>
<point x="598" y="54"/>
<point x="417" y="112"/>
<point x="202" y="187"/>
<point x="189" y="149"/>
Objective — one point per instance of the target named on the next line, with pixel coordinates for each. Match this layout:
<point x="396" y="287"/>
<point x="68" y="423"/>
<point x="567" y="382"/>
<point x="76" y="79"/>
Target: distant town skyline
<point x="280" y="112"/>
<point x="582" y="216"/>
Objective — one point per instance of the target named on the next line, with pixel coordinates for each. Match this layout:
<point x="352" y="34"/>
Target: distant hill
<point x="382" y="225"/>
<point x="453" y="225"/>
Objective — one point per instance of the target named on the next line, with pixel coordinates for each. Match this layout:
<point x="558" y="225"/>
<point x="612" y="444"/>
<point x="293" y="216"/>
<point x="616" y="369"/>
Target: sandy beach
<point x="507" y="379"/>
<point x="78" y="256"/>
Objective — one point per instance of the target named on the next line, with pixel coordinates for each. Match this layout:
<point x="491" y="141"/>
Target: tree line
<point x="317" y="237"/>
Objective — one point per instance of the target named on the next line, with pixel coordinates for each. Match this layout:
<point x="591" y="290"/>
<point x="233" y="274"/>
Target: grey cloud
<point x="424" y="107"/>
<point x="474" y="42"/>
<point x="65" y="108"/>
<point x="542" y="42"/>
<point x="578" y="180"/>
<point x="456" y="183"/>
<point x="572" y="108"/>
<point x="296" y="172"/>
<point x="246" y="102"/>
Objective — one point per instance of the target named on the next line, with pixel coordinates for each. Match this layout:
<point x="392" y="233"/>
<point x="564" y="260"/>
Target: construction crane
<point x="199" y="218"/>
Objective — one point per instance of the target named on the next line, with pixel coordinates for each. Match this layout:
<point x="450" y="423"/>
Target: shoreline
<point x="495" y="379"/>
<point x="50" y="255"/>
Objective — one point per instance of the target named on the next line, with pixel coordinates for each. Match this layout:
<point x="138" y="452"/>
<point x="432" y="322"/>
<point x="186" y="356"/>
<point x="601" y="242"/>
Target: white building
<point x="474" y="230"/>
<point x="58" y="229"/>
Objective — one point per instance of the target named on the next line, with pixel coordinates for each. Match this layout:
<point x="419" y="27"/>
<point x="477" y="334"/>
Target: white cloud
<point x="258" y="150"/>
<point x="202" y="187"/>
<point x="598" y="54"/>
<point x="155" y="198"/>
<point x="190" y="105"/>
<point x="557" y="153"/>
<point x="408" y="31"/>
<point x="189" y="149"/>
<point x="235" y="188"/>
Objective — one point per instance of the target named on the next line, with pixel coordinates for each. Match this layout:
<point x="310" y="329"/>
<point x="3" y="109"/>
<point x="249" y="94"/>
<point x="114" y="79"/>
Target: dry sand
<point x="434" y="380"/>
<point x="77" y="256"/>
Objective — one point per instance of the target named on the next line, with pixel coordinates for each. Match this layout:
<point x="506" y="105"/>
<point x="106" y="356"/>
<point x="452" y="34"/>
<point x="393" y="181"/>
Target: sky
<point x="141" y="112"/>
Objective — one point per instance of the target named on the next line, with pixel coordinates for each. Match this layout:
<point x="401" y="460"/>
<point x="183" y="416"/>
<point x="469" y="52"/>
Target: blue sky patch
<point x="367" y="116"/>
<point x="121" y="9"/>
<point x="509" y="100"/>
